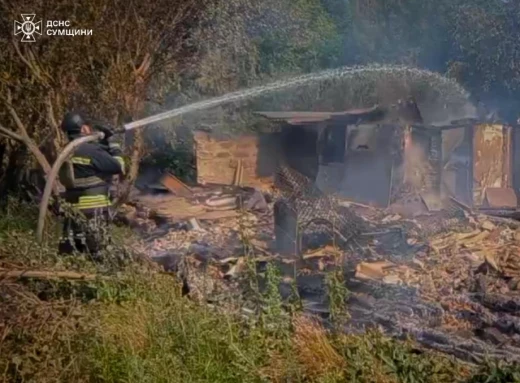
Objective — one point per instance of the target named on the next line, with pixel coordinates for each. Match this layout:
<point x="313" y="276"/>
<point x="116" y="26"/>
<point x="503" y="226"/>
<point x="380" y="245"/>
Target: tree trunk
<point x="133" y="171"/>
<point x="12" y="170"/>
<point x="3" y="146"/>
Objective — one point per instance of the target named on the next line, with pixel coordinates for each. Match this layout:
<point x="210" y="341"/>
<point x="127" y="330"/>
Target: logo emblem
<point x="28" y="27"/>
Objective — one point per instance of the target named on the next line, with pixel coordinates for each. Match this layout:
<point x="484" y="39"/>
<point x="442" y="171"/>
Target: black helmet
<point x="72" y="123"/>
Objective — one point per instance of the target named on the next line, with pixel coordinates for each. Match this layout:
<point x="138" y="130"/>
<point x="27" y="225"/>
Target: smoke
<point x="441" y="113"/>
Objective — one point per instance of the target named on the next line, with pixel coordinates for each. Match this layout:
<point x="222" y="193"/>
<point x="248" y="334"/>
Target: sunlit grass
<point x="135" y="326"/>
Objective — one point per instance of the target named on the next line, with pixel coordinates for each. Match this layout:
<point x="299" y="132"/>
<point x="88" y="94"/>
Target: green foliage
<point x="274" y="318"/>
<point x="14" y="216"/>
<point x="337" y="294"/>
<point x="387" y="360"/>
<point x="180" y="163"/>
<point x="496" y="372"/>
<point x="473" y="41"/>
<point x="302" y="45"/>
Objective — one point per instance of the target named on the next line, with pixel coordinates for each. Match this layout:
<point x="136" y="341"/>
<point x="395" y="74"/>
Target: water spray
<point x="345" y="72"/>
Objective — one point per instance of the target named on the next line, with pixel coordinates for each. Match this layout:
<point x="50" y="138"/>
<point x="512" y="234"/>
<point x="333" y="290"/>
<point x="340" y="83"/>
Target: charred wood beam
<point x="469" y="133"/>
<point x="435" y="159"/>
<point x="516" y="159"/>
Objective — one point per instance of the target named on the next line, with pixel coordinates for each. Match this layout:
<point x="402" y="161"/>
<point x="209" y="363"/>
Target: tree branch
<point x="35" y="71"/>
<point x="10" y="134"/>
<point x="44" y="274"/>
<point x="50" y="113"/>
<point x="25" y="136"/>
<point x="14" y="115"/>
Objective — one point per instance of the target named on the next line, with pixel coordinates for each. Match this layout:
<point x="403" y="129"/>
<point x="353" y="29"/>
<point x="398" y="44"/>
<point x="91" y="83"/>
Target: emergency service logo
<point x="28" y="27"/>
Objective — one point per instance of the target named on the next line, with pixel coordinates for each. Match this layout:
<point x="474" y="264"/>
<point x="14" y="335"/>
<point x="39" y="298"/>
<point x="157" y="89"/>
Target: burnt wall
<point x="492" y="159"/>
<point x="299" y="149"/>
<point x="423" y="161"/>
<point x="217" y="158"/>
<point x="368" y="164"/>
<point x="516" y="159"/>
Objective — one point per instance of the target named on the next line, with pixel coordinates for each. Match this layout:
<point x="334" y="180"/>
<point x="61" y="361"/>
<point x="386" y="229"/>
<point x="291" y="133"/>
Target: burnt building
<point x="374" y="156"/>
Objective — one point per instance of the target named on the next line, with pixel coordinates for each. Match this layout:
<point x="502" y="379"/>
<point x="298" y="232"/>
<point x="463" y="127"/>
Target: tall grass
<point x="135" y="326"/>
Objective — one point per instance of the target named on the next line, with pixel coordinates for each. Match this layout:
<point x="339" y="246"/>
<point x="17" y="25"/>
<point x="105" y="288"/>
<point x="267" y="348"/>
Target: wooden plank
<point x="176" y="186"/>
<point x="507" y="169"/>
<point x="214" y="215"/>
<point x="488" y="166"/>
<point x="432" y="201"/>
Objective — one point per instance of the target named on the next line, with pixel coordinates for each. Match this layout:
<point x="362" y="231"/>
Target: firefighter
<point x="93" y="166"/>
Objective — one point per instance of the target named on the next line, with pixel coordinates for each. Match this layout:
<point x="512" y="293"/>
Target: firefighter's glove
<point x="106" y="131"/>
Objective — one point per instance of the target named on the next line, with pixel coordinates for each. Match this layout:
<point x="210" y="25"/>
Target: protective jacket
<point x="94" y="165"/>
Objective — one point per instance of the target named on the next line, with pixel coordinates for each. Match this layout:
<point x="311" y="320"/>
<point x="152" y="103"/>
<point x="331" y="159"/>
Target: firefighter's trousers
<point x="85" y="235"/>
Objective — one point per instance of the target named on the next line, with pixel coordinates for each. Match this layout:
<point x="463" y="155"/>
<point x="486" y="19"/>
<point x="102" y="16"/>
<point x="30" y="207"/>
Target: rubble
<point x="373" y="270"/>
<point x="448" y="276"/>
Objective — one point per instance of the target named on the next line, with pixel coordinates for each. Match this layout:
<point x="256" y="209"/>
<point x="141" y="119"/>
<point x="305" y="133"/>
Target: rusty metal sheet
<point x="176" y="186"/>
<point x="492" y="165"/>
<point x="500" y="198"/>
<point x="295" y="117"/>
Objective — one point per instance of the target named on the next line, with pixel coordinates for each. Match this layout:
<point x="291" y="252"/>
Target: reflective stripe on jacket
<point x="93" y="202"/>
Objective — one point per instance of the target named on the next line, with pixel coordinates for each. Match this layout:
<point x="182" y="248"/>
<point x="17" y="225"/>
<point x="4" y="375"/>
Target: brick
<point x="248" y="139"/>
<point x="243" y="154"/>
<point x="227" y="145"/>
<point x="217" y="159"/>
<point x="249" y="163"/>
<point x="248" y="144"/>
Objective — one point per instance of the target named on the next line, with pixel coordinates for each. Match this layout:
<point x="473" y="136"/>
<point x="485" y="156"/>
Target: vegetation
<point x="133" y="325"/>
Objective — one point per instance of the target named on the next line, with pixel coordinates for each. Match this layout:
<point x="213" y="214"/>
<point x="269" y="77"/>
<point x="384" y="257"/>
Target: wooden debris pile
<point x="184" y="203"/>
<point x="448" y="276"/>
<point x="490" y="253"/>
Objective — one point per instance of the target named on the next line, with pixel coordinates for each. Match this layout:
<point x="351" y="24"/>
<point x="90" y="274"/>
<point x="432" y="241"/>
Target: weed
<point x="337" y="294"/>
<point x="179" y="162"/>
<point x="386" y="360"/>
<point x="496" y="372"/>
<point x="274" y="318"/>
<point x="295" y="303"/>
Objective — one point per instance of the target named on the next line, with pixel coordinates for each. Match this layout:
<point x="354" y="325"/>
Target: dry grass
<point x="314" y="349"/>
<point x="126" y="326"/>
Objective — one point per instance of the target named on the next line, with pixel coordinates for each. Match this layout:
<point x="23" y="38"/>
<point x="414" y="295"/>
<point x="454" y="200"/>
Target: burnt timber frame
<point x="469" y="134"/>
<point x="381" y="116"/>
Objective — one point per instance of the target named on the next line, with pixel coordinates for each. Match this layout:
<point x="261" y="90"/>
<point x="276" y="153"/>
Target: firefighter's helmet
<point x="72" y="123"/>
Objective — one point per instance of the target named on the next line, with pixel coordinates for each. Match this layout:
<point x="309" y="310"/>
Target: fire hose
<point x="51" y="178"/>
